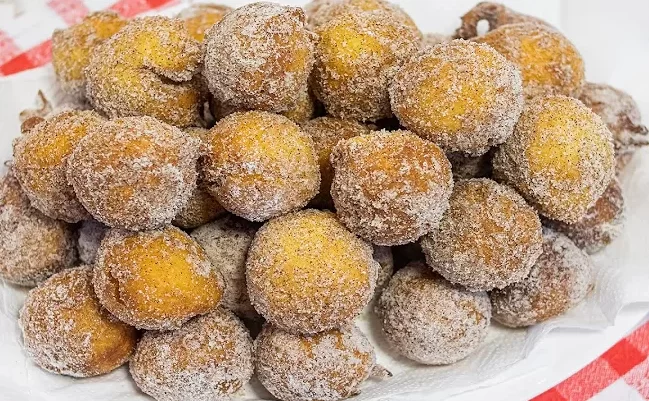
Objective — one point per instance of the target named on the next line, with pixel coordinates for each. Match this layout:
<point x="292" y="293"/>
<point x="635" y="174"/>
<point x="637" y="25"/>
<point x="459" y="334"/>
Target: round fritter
<point x="147" y="68"/>
<point x="67" y="331"/>
<point x="383" y="255"/>
<point x="134" y="173"/>
<point x="306" y="273"/>
<point x="260" y="165"/>
<point x="488" y="238"/>
<point x="549" y="63"/>
<point x="495" y="14"/>
<point x="41" y="158"/>
<point x="560" y="279"/>
<point x="91" y="232"/>
<point x="155" y="280"/>
<point x="209" y="358"/>
<point x="560" y="157"/>
<point x="327" y="366"/>
<point x="259" y="56"/>
<point x="201" y="208"/>
<point x="427" y="319"/>
<point x="72" y="47"/>
<point x="356" y="58"/>
<point x="199" y="18"/>
<point x="390" y="187"/>
<point x="463" y="96"/>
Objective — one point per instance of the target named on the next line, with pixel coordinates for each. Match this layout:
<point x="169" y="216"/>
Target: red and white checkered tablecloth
<point x="25" y="44"/>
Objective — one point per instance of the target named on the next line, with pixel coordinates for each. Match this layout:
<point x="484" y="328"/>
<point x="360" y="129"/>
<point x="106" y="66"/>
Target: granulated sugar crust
<point x="90" y="233"/>
<point x="383" y="255"/>
<point x="495" y="14"/>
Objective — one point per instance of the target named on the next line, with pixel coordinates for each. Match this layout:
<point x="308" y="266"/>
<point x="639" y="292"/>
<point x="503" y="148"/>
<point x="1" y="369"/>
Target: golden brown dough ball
<point x="209" y="358"/>
<point x="621" y="114"/>
<point x="201" y="208"/>
<point x="488" y="238"/>
<point x="326" y="132"/>
<point x="32" y="246"/>
<point x="199" y="18"/>
<point x="306" y="273"/>
<point x="67" y="331"/>
<point x="495" y="14"/>
<point x="560" y="157"/>
<point x="259" y="56"/>
<point x="602" y="223"/>
<point x="356" y="58"/>
<point x="463" y="96"/>
<point x="327" y="366"/>
<point x="226" y="242"/>
<point x="41" y="158"/>
<point x="260" y="165"/>
<point x="429" y="320"/>
<point x="155" y="280"/>
<point x="91" y="232"/>
<point x="72" y="47"/>
<point x="390" y="187"/>
<point x="549" y="63"/>
<point x="383" y="255"/>
<point x="148" y="69"/>
<point x="560" y="279"/>
<point x="134" y="173"/>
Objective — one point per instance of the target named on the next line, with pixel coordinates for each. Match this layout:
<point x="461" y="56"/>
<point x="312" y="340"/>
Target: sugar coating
<point x="621" y="114"/>
<point x="560" y="157"/>
<point x="66" y="331"/>
<point x="226" y="242"/>
<point x="209" y="358"/>
<point x="73" y="46"/>
<point x="560" y="279"/>
<point x="155" y="280"/>
<point x="32" y="246"/>
<point x="488" y="238"/>
<point x="465" y="167"/>
<point x="260" y="165"/>
<point x="495" y="14"/>
<point x="356" y="58"/>
<point x="199" y="18"/>
<point x="327" y="366"/>
<point x="40" y="162"/>
<point x="90" y="233"/>
<point x="602" y="223"/>
<point x="383" y="255"/>
<point x="259" y="56"/>
<point x="549" y="63"/>
<point x="306" y="273"/>
<point x="201" y="208"/>
<point x="429" y="320"/>
<point x="134" y="173"/>
<point x="390" y="187"/>
<point x="433" y="39"/>
<point x="326" y="132"/>
<point x="147" y="69"/>
<point x="463" y="96"/>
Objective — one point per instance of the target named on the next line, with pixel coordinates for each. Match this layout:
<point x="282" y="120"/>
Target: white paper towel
<point x="622" y="269"/>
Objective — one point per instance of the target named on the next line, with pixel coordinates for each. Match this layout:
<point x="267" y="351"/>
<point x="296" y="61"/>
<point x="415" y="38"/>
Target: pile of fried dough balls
<point x="247" y="173"/>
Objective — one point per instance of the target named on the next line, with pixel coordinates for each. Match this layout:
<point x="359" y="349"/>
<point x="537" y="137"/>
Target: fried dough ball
<point x="621" y="114"/>
<point x="226" y="242"/>
<point x="602" y="223"/>
<point x="390" y="187"/>
<point x="41" y="158"/>
<point x="209" y="358"/>
<point x="560" y="279"/>
<point x="356" y="58"/>
<point x="548" y="62"/>
<point x="66" y="330"/>
<point x="72" y="47"/>
<point x="560" y="157"/>
<point x="463" y="96"/>
<point x="134" y="173"/>
<point x="32" y="246"/>
<point x="465" y="166"/>
<point x="383" y="255"/>
<point x="327" y="366"/>
<point x="429" y="320"/>
<point x="199" y="18"/>
<point x="260" y="165"/>
<point x="91" y="233"/>
<point x="433" y="39"/>
<point x="155" y="280"/>
<point x="259" y="56"/>
<point x="306" y="273"/>
<point x="147" y="69"/>
<point x="200" y="209"/>
<point x="495" y="14"/>
<point x="488" y="238"/>
<point x="326" y="132"/>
